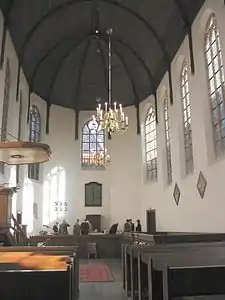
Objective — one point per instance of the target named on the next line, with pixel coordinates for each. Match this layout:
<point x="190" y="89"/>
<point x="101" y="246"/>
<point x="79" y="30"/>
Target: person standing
<point x="76" y="228"/>
<point x="131" y="225"/>
<point x="138" y="227"/>
<point x="63" y="228"/>
<point x="127" y="227"/>
<point x="84" y="227"/>
<point x="55" y="228"/>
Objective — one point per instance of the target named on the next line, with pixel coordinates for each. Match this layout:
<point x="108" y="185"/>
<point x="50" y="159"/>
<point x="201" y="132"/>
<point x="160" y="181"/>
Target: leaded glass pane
<point x="151" y="144"/>
<point x="93" y="142"/>
<point x="185" y="98"/>
<point x="215" y="70"/>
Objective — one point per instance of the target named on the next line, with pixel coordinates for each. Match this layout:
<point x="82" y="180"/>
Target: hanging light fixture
<point x="111" y="117"/>
<point x="100" y="158"/>
<point x="24" y="153"/>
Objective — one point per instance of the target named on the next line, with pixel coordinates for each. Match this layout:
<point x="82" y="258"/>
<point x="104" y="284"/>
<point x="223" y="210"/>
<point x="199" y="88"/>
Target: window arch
<point x="93" y="142"/>
<point x="167" y="139"/>
<point x="5" y="108"/>
<point x="215" y="73"/>
<point x="151" y="144"/>
<point x="34" y="136"/>
<point x="186" y="109"/>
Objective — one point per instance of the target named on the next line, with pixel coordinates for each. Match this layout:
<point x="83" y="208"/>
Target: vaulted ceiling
<point x="66" y="63"/>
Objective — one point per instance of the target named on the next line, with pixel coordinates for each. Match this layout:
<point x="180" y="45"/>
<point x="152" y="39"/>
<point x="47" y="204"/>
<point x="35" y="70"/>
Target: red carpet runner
<point x="95" y="273"/>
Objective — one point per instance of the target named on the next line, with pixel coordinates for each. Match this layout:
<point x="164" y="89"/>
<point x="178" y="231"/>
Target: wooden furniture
<point x="151" y="221"/>
<point x="92" y="250"/>
<point x="23" y="153"/>
<point x="146" y="276"/>
<point x="96" y="222"/>
<point x="5" y="206"/>
<point x="55" y="273"/>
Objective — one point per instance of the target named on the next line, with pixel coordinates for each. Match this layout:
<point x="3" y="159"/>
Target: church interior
<point x="119" y="201"/>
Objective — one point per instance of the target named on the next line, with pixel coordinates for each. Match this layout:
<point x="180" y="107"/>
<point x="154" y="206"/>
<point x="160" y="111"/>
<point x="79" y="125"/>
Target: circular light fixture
<point x="17" y="156"/>
<point x="24" y="153"/>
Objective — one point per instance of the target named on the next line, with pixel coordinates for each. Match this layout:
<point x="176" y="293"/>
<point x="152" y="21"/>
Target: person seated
<point x="113" y="228"/>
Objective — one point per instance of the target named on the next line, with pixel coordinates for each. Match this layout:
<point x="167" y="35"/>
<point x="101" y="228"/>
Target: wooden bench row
<point x="39" y="273"/>
<point x="173" y="270"/>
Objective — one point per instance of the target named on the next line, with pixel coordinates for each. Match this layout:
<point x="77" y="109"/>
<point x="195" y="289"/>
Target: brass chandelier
<point x="99" y="158"/>
<point x="111" y="116"/>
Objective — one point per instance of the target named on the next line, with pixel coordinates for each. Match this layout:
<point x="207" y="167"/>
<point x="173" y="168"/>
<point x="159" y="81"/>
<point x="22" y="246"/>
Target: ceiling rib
<point x="51" y="50"/>
<point x="6" y="20"/>
<point x="189" y="32"/>
<point x="75" y="2"/>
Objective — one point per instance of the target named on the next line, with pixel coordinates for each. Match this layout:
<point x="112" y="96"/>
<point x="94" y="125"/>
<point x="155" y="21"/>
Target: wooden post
<point x="5" y="206"/>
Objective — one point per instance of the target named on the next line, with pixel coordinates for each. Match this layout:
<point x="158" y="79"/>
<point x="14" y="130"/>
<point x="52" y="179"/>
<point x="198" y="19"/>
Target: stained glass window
<point x="151" y="144"/>
<point x="5" y="110"/>
<point x="34" y="136"/>
<point x="186" y="109"/>
<point x="93" y="141"/>
<point x="215" y="72"/>
<point x="167" y="140"/>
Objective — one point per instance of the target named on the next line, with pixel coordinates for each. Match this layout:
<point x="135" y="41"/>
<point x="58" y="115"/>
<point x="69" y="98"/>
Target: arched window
<point x="167" y="140"/>
<point x="93" y="142"/>
<point x="34" y="136"/>
<point x="215" y="82"/>
<point x="5" y="108"/>
<point x="185" y="97"/>
<point x="151" y="144"/>
<point x="54" y="196"/>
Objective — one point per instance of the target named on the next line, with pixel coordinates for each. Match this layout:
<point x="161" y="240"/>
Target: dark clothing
<point x="84" y="228"/>
<point x="76" y="229"/>
<point x="55" y="229"/>
<point x="127" y="227"/>
<point x="132" y="226"/>
<point x="63" y="229"/>
<point x="113" y="229"/>
<point x="138" y="228"/>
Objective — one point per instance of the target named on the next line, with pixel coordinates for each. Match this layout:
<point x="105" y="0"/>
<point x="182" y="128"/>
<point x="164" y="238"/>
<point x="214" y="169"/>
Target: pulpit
<point x="6" y="206"/>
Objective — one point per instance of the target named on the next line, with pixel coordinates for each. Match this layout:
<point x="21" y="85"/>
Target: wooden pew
<point x="38" y="284"/>
<point x="193" y="280"/>
<point x="133" y="263"/>
<point x="53" y="251"/>
<point x="186" y="258"/>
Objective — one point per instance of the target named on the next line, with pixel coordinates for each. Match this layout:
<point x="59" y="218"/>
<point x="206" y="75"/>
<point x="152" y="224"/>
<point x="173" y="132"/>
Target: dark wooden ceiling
<point x="66" y="64"/>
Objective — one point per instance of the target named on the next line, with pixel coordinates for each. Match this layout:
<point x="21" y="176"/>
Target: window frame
<point x="5" y="108"/>
<point x="167" y="139"/>
<point x="151" y="144"/>
<point x="89" y="138"/>
<point x="187" y="120"/>
<point x="215" y="82"/>
<point x="93" y="185"/>
<point x="34" y="136"/>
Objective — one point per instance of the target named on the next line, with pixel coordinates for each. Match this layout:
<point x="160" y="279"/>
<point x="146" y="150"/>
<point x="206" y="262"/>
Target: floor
<point x="105" y="291"/>
<point x="114" y="290"/>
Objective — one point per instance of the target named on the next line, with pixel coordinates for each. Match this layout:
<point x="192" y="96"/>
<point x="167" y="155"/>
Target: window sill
<point x="92" y="168"/>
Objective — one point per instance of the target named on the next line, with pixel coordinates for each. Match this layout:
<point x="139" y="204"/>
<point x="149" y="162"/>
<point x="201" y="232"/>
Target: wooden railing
<point x="19" y="235"/>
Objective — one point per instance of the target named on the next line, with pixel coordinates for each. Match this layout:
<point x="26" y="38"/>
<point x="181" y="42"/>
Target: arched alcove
<point x="54" y="196"/>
